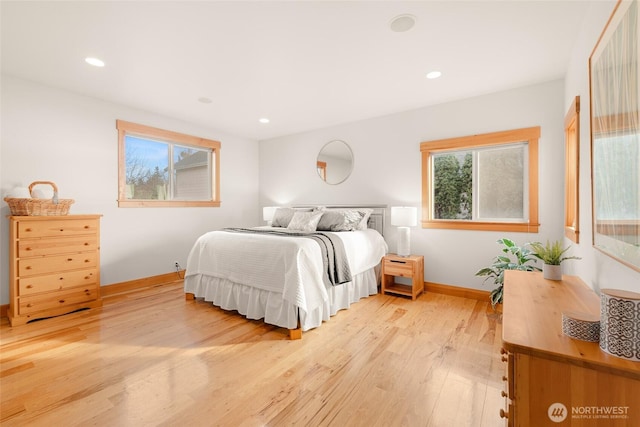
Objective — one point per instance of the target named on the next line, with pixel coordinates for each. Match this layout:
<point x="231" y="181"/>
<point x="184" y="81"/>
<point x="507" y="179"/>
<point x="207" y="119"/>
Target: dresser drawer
<point x="59" y="281"/>
<point x="52" y="264"/>
<point x="53" y="300"/>
<point x="58" y="227"/>
<point x="44" y="247"/>
<point x="395" y="267"/>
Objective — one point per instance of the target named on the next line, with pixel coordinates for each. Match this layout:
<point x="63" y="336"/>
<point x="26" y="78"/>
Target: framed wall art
<point x="615" y="136"/>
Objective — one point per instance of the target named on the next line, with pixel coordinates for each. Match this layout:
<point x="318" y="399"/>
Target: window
<point x="571" y="169"/>
<point x="163" y="168"/>
<point x="482" y="182"/>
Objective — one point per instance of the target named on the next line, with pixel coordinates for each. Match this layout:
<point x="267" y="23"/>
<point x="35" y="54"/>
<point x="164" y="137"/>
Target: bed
<point x="296" y="273"/>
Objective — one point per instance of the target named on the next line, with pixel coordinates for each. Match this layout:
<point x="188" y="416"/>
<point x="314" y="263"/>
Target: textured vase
<point x="552" y="272"/>
<point x="620" y="323"/>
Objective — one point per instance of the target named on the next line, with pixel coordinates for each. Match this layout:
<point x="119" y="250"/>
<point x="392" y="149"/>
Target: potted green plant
<point x="552" y="254"/>
<point x="515" y="258"/>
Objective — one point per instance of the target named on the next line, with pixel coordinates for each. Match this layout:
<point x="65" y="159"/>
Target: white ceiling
<point x="302" y="64"/>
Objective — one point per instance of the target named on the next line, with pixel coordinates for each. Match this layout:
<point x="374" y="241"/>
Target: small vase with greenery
<point x="552" y="254"/>
<point x="515" y="258"/>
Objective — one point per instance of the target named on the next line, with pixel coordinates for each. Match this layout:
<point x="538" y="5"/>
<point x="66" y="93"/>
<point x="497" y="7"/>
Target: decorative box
<point x="581" y="326"/>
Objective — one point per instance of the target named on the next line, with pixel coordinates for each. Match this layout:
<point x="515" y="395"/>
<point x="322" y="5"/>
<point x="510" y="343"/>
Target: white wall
<point x="53" y="135"/>
<point x="598" y="270"/>
<point x="387" y="170"/>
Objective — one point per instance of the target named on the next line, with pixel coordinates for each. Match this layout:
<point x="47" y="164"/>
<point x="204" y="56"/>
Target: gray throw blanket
<point x="334" y="257"/>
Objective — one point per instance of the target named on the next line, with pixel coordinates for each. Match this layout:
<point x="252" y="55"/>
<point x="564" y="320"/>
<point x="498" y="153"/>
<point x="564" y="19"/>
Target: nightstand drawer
<point x="395" y="267"/>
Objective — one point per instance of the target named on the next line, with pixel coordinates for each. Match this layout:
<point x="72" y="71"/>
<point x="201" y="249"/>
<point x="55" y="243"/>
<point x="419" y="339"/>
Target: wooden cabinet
<point x="54" y="265"/>
<point x="552" y="379"/>
<point x="411" y="266"/>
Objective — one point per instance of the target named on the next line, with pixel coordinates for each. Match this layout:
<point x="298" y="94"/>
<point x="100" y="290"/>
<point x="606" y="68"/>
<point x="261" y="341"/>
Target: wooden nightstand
<point x="411" y="266"/>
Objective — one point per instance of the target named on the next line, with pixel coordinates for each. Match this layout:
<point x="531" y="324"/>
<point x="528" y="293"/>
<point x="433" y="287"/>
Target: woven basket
<point x="39" y="207"/>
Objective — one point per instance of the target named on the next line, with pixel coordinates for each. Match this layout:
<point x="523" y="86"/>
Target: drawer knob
<point x="27" y="229"/>
<point x="28" y="267"/>
<point x="87" y="260"/>
<point x="29" y="305"/>
<point x="27" y="249"/>
<point x="86" y="243"/>
<point x="29" y="286"/>
<point x="61" y="278"/>
<point x="61" y="301"/>
<point x="86" y="227"/>
<point x="504" y="414"/>
<point x="69" y="259"/>
<point x="62" y="229"/>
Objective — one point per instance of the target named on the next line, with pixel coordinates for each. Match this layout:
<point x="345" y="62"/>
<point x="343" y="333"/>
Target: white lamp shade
<point x="404" y="216"/>
<point x="267" y="212"/>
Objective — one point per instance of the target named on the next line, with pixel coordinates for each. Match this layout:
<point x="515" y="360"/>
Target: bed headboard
<point x="376" y="219"/>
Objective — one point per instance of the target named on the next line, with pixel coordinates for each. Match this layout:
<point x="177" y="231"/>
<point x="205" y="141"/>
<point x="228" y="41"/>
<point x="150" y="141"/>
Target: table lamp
<point x="404" y="217"/>
<point x="268" y="212"/>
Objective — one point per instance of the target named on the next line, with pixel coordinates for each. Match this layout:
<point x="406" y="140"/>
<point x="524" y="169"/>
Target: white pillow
<point x="351" y="216"/>
<point x="366" y="213"/>
<point x="339" y="220"/>
<point x="305" y="221"/>
<point x="282" y="216"/>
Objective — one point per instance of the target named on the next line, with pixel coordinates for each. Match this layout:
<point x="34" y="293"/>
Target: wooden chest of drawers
<point x="54" y="265"/>
<point x="552" y="379"/>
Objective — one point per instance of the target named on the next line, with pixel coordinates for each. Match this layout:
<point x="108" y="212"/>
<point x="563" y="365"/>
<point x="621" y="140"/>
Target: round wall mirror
<point x="335" y="162"/>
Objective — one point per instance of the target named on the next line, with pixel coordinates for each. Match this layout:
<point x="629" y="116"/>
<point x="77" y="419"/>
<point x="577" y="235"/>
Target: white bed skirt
<point x="261" y="304"/>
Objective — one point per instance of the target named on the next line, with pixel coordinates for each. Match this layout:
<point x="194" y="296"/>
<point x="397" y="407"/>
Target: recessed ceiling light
<point x="204" y="100"/>
<point x="94" y="61"/>
<point x="433" y="74"/>
<point x="402" y="23"/>
<point x="264" y="120"/>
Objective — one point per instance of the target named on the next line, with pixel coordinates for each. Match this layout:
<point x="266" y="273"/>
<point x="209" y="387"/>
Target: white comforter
<point x="291" y="266"/>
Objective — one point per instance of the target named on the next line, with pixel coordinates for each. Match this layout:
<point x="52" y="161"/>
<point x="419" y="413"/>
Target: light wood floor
<point x="151" y="358"/>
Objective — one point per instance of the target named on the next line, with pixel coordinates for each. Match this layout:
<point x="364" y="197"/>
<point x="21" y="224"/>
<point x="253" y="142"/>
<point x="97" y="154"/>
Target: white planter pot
<point x="552" y="272"/>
